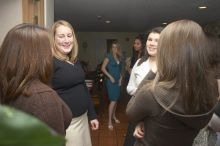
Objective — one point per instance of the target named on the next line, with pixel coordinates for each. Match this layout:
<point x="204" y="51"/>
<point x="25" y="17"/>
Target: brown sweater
<point x="170" y="127"/>
<point x="46" y="105"/>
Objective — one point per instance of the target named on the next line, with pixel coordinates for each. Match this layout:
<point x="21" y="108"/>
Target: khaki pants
<point x="78" y="133"/>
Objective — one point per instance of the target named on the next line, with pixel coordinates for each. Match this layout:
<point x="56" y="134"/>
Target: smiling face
<point x="64" y="39"/>
<point x="151" y="44"/>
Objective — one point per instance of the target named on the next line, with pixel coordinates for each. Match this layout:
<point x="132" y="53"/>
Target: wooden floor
<point x="104" y="136"/>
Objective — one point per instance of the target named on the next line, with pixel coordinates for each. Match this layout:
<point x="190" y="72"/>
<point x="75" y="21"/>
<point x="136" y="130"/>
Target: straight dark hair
<point x="25" y="55"/>
<point x="183" y="65"/>
<point x="135" y="54"/>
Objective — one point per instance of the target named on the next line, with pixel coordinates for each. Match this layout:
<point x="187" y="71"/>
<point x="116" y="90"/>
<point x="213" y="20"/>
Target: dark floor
<point x="104" y="136"/>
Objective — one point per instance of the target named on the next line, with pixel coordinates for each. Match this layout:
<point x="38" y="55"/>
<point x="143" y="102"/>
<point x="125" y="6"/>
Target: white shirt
<point x="137" y="75"/>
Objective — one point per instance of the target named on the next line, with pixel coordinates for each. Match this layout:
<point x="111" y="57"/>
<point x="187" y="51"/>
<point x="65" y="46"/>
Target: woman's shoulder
<point x="142" y="62"/>
<point x="37" y="87"/>
<point x="138" y="60"/>
<point x="58" y="63"/>
<point x="145" y="96"/>
<point x="56" y="60"/>
<point x="136" y="63"/>
<point x="39" y="95"/>
<point x="145" y="92"/>
<point x="41" y="92"/>
<point x="141" y="68"/>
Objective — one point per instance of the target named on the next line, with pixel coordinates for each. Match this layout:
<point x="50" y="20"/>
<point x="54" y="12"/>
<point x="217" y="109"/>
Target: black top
<point x="69" y="82"/>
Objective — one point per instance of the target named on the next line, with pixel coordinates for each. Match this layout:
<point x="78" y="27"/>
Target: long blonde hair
<point x="118" y="53"/>
<point x="72" y="56"/>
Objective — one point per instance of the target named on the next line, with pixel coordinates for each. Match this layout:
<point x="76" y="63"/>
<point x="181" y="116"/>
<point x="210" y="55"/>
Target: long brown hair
<point x="25" y="55"/>
<point x="74" y="53"/>
<point x="183" y="63"/>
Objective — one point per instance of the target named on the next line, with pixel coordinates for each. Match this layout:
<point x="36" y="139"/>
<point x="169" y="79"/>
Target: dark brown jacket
<point x="170" y="127"/>
<point x="46" y="105"/>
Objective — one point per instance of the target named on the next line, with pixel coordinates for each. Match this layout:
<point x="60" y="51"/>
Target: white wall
<point x="49" y="13"/>
<point x="96" y="49"/>
<point x="10" y="15"/>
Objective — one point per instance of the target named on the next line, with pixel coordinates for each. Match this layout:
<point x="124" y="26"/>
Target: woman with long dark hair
<point x="137" y="53"/>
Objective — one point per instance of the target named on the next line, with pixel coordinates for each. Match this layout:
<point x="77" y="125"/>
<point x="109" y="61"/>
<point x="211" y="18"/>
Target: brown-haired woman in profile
<point x="69" y="82"/>
<point x="25" y="72"/>
<point x="111" y="67"/>
<point x="181" y="99"/>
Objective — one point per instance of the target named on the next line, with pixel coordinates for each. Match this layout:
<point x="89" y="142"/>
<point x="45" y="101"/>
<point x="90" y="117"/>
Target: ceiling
<point x="132" y="15"/>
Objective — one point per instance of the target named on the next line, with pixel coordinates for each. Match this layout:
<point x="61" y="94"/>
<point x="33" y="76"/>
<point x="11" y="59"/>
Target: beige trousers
<point x="78" y="133"/>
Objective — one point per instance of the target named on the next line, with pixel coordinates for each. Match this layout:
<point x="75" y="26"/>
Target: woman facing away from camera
<point x="69" y="82"/>
<point x="25" y="72"/>
<point x="181" y="99"/>
<point x="111" y="67"/>
<point x="144" y="68"/>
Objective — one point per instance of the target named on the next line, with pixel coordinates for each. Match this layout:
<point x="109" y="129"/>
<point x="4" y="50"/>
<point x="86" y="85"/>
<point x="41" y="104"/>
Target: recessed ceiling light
<point x="202" y="7"/>
<point x="107" y="21"/>
<point x="99" y="17"/>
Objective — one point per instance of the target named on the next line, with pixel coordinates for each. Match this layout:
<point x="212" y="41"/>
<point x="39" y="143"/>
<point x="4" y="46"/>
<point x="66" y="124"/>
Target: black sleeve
<point x="91" y="110"/>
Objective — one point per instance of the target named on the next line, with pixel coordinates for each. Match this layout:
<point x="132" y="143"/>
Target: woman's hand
<point x="139" y="130"/>
<point x="94" y="124"/>
<point x="120" y="82"/>
<point x="112" y="79"/>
